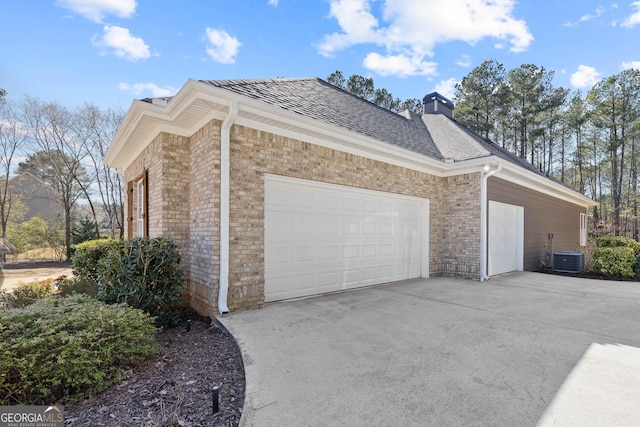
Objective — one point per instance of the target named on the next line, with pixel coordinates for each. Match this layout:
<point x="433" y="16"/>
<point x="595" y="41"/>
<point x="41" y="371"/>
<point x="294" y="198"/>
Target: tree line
<point x="590" y="141"/>
<point x="64" y="149"/>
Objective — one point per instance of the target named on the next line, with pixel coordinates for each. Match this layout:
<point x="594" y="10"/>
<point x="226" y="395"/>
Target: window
<point x="583" y="229"/>
<point x="137" y="207"/>
<point x="140" y="209"/>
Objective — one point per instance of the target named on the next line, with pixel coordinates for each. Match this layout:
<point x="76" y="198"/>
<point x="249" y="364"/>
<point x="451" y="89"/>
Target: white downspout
<point x="483" y="220"/>
<point x="225" y="141"/>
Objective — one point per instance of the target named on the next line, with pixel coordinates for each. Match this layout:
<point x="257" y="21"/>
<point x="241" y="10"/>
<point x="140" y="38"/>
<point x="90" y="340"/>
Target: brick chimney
<point x="434" y="103"/>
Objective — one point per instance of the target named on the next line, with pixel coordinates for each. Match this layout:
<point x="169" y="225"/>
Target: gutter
<point x="483" y="219"/>
<point x="225" y="142"/>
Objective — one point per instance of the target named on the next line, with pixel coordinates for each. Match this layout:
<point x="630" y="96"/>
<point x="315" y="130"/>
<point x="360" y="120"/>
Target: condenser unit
<point x="568" y="262"/>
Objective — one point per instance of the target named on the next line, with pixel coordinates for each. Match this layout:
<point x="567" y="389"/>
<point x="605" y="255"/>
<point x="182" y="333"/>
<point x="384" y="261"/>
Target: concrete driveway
<point x="524" y="349"/>
<point x="13" y="274"/>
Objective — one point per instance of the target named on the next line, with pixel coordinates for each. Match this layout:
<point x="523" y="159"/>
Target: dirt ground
<point x="175" y="387"/>
<point x="172" y="388"/>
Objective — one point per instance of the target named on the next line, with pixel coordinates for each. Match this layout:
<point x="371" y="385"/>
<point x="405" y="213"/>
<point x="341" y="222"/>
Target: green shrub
<point x="145" y="273"/>
<point x="85" y="231"/>
<point x="62" y="349"/>
<point x="78" y="285"/>
<point x="87" y="254"/>
<point x="618" y="241"/>
<point x="617" y="261"/>
<point x="27" y="293"/>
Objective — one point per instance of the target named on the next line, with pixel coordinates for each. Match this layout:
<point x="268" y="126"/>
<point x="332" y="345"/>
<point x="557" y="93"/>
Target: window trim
<point x="583" y="229"/>
<point x="141" y="221"/>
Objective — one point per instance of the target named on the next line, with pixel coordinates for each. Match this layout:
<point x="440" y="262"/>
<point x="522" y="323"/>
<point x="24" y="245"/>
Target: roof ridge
<point x="239" y="82"/>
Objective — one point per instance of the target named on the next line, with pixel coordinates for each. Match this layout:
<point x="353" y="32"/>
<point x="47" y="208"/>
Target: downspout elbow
<point x="225" y="142"/>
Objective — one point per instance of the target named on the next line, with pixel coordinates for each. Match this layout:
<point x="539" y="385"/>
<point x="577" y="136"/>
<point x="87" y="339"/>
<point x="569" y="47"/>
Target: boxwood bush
<point x="63" y="348"/>
<point x="87" y="254"/>
<point x="145" y="273"/>
<point x="618" y="241"/>
<point x="616" y="256"/>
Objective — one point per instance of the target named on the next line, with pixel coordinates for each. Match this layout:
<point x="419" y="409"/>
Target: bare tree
<point x="60" y="153"/>
<point x="101" y="127"/>
<point x="12" y="140"/>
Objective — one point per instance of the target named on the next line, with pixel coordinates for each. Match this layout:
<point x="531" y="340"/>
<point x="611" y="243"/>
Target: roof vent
<point x="160" y="101"/>
<point x="434" y="103"/>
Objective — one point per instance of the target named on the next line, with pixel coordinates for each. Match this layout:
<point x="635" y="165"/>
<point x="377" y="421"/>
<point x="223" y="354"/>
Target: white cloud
<point x="399" y="65"/>
<point x="464" y="61"/>
<point x="273" y="3"/>
<point x="634" y="19"/>
<point x="410" y="29"/>
<point x="587" y="17"/>
<point x="96" y="10"/>
<point x="123" y="44"/>
<point x="153" y="89"/>
<point x="222" y="47"/>
<point x="586" y="76"/>
<point x="631" y="65"/>
<point x="357" y="22"/>
<point x="447" y="88"/>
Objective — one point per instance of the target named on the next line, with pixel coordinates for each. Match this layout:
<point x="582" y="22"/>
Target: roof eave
<point x="543" y="184"/>
<point x="144" y="121"/>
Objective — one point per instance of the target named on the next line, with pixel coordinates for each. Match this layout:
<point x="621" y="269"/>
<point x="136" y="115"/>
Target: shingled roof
<point x="434" y="135"/>
<point x="317" y="99"/>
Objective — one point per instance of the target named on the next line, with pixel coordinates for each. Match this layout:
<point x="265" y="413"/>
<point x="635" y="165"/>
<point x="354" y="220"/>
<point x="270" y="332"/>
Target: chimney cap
<point x="436" y="96"/>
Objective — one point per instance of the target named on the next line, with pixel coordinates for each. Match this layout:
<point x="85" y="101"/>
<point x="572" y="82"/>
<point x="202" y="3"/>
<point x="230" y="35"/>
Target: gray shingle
<point x="317" y="99"/>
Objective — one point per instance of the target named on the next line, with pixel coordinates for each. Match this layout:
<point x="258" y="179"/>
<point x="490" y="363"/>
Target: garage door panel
<point x="321" y="238"/>
<point x="505" y="238"/>
<point x="369" y="251"/>
<point x="329" y="281"/>
<point x="305" y="254"/>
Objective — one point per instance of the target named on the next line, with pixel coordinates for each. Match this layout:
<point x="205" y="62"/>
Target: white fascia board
<point x="476" y="165"/>
<point x="531" y="180"/>
<point x="129" y="123"/>
<point x="158" y="118"/>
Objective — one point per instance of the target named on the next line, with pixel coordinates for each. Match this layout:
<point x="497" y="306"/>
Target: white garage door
<point x="322" y="238"/>
<point x="506" y="238"/>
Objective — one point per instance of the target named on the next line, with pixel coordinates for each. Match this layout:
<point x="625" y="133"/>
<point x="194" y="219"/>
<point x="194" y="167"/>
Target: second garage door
<point x="506" y="238"/>
<point x="322" y="238"/>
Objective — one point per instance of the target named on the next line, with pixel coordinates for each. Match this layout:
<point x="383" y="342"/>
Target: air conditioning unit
<point x="568" y="262"/>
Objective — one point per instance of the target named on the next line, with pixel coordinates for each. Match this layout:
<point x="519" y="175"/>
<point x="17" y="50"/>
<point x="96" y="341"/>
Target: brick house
<point x="282" y="188"/>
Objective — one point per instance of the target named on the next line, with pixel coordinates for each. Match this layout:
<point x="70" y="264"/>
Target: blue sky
<point x="108" y="52"/>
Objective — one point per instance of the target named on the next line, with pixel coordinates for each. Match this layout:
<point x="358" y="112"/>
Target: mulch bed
<point x="174" y="387"/>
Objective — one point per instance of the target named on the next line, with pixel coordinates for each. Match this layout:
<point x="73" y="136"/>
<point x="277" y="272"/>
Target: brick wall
<point x="184" y="203"/>
<point x="254" y="153"/>
<point x="204" y="218"/>
<point x="151" y="160"/>
<point x="461" y="233"/>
